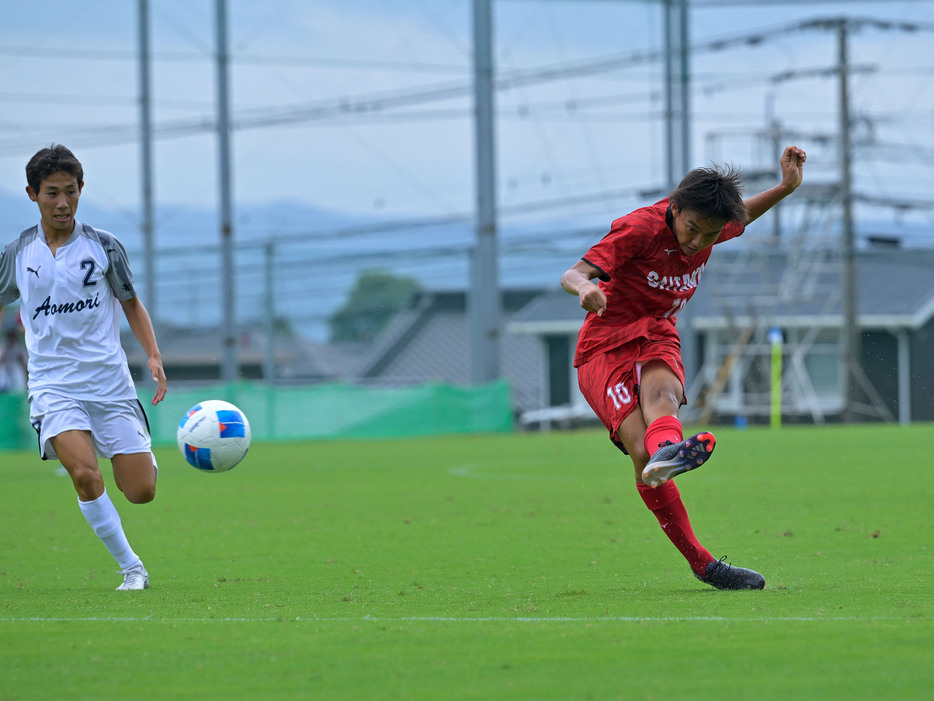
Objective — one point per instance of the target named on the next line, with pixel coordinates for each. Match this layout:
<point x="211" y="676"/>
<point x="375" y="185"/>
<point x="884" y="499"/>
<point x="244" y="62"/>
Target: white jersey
<point x="70" y="311"/>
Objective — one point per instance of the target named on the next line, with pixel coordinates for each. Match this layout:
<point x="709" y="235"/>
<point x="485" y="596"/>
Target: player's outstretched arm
<point x="792" y="165"/>
<point x="578" y="281"/>
<point x="141" y="326"/>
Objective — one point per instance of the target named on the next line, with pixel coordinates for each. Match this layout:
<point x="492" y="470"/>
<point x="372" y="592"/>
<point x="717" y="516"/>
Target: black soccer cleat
<point x="722" y="575"/>
<point x="673" y="459"/>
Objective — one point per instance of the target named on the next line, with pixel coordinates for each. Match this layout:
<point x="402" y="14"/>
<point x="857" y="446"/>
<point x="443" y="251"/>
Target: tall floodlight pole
<point x="484" y="294"/>
<point x="145" y="120"/>
<point x="678" y="137"/>
<point x="850" y="332"/>
<point x="229" y="367"/>
<point x="677" y="91"/>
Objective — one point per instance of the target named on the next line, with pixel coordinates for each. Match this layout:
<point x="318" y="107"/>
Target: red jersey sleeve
<point x="623" y="243"/>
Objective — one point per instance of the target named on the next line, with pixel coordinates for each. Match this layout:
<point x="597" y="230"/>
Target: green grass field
<point x="490" y="567"/>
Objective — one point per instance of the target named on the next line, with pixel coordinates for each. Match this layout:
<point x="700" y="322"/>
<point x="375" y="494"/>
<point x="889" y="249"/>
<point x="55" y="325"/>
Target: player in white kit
<point x="73" y="280"/>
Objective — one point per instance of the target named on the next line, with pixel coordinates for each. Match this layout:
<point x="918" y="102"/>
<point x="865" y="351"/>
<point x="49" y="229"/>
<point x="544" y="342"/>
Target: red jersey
<point x="646" y="278"/>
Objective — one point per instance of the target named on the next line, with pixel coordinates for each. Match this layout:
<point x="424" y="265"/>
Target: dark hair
<point x="714" y="193"/>
<point x="49" y="161"/>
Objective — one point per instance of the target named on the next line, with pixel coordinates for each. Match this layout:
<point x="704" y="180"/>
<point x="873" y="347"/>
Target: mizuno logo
<point x="36" y="271"/>
<point x="669" y="251"/>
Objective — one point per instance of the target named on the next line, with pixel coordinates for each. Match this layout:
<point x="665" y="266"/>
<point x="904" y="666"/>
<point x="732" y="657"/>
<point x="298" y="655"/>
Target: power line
<point x="507" y="211"/>
<point x="393" y="100"/>
<point x="126" y="56"/>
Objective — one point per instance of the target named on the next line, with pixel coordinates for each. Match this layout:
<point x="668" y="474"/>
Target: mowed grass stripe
<point x="464" y="619"/>
<point x="507" y="567"/>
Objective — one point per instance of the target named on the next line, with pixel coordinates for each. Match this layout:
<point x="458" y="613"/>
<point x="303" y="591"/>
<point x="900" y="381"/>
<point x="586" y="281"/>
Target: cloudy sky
<point x="305" y="76"/>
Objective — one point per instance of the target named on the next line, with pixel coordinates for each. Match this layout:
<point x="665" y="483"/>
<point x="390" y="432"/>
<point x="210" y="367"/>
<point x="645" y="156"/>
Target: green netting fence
<point x="313" y="411"/>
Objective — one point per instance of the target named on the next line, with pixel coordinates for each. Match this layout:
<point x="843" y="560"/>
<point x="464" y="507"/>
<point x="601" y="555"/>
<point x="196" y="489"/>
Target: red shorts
<point x="610" y="381"/>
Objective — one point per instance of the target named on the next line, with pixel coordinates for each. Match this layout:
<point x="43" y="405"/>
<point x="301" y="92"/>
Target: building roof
<point x="202" y="348"/>
<point x="430" y="341"/>
<point x="895" y="289"/>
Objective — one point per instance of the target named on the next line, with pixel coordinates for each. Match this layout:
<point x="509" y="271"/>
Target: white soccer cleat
<point x="135" y="578"/>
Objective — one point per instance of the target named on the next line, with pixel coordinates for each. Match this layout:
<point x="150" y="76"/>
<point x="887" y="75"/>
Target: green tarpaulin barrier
<point x="314" y="411"/>
<point x="15" y="431"/>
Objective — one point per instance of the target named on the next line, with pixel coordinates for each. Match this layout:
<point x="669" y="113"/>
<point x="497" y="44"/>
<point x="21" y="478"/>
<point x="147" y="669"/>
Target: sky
<point x="580" y="135"/>
<point x="362" y="108"/>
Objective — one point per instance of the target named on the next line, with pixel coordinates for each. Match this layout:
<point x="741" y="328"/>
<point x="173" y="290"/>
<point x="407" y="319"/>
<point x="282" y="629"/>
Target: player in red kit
<point x="628" y="355"/>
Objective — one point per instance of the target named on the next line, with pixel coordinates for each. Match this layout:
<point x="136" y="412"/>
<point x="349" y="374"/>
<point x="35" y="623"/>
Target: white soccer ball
<point x="214" y="436"/>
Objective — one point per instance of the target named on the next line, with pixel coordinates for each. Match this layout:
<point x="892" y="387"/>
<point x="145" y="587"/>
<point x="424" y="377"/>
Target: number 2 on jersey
<point x="89" y="265"/>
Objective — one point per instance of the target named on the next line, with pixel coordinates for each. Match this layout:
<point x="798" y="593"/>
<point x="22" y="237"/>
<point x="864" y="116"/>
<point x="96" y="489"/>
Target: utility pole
<point x="678" y="137"/>
<point x="775" y="140"/>
<point x="484" y="295"/>
<point x="229" y="367"/>
<point x="850" y="336"/>
<point x="145" y="116"/>
<point x="677" y="91"/>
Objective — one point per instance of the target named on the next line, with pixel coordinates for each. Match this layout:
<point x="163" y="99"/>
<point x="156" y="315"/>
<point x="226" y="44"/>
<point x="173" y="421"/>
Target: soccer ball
<point x="214" y="436"/>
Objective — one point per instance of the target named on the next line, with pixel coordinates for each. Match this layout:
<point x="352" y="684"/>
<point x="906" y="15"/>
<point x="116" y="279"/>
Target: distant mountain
<point x="16" y="213"/>
<point x="181" y="225"/>
<point x="319" y="253"/>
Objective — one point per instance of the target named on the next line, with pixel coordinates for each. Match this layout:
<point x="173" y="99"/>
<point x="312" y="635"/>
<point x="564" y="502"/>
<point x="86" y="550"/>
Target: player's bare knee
<point x="141" y="494"/>
<point x="640" y="457"/>
<point x="136" y="491"/>
<point x="88" y="481"/>
<point x="662" y="400"/>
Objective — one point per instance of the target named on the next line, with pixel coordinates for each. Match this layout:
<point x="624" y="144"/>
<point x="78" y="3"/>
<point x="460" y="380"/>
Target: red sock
<point x="664" y="428"/>
<point x="665" y="502"/>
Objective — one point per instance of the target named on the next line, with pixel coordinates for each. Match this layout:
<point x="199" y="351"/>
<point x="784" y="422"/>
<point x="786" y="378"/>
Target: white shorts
<point x="117" y="428"/>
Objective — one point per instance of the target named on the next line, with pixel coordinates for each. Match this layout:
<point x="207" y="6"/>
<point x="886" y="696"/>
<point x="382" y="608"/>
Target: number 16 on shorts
<point x="619" y="394"/>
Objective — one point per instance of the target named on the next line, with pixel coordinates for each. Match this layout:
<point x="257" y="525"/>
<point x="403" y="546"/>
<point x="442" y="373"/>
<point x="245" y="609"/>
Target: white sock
<point x="102" y="516"/>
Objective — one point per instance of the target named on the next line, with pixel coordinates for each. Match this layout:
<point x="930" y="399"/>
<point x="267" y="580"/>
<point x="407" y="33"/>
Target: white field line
<point x="466" y="619"/>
